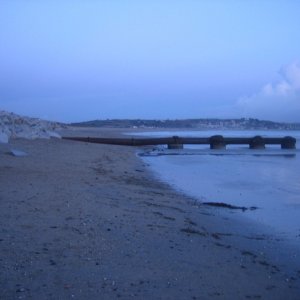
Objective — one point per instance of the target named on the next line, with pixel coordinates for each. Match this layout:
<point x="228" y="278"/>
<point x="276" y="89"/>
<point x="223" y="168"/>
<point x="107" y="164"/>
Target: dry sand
<point x="89" y="221"/>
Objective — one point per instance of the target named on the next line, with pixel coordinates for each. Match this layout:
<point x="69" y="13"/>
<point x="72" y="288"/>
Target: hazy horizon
<point x="77" y="60"/>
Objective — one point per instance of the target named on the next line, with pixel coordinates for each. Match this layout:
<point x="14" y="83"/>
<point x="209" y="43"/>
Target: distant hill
<point x="239" y="124"/>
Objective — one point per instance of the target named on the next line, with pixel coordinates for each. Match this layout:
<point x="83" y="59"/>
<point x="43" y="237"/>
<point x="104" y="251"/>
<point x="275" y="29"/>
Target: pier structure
<point x="176" y="142"/>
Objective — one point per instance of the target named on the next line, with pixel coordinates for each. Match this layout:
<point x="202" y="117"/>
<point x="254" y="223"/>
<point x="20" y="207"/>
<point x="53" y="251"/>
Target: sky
<point x="81" y="60"/>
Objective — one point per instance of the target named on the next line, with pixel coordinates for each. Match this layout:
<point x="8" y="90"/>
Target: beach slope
<point x="89" y="221"/>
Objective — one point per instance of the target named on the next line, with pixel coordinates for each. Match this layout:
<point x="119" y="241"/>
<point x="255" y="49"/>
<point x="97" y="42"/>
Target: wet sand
<point x="89" y="221"/>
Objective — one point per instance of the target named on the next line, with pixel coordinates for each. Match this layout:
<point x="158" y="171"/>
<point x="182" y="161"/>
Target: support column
<point x="288" y="142"/>
<point x="257" y="143"/>
<point x="217" y="142"/>
<point x="176" y="143"/>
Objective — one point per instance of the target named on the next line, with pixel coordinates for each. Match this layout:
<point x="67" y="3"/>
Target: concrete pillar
<point x="217" y="142"/>
<point x="176" y="143"/>
<point x="288" y="142"/>
<point x="257" y="143"/>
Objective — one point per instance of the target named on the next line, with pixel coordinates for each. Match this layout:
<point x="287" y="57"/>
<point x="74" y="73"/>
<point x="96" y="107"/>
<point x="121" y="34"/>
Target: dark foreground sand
<point x="88" y="221"/>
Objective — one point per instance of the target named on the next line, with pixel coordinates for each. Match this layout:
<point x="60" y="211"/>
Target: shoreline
<point x="200" y="174"/>
<point x="86" y="221"/>
<point x="286" y="247"/>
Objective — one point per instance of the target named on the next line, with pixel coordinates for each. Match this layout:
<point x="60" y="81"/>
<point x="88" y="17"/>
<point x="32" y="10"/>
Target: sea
<point x="266" y="181"/>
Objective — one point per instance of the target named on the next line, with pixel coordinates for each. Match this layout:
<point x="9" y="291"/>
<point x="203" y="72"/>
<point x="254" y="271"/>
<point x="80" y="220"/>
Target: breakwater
<point x="176" y="142"/>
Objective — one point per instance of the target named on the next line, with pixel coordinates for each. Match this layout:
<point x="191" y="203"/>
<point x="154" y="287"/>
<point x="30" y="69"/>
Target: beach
<point x="91" y="221"/>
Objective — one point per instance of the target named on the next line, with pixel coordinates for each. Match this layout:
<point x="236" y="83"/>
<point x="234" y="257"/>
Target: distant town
<point x="238" y="124"/>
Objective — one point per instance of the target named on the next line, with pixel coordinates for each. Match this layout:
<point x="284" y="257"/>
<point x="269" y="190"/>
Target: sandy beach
<point x="90" y="221"/>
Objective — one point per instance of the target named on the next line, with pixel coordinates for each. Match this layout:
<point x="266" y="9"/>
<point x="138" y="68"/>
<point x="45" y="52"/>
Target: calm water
<point x="268" y="179"/>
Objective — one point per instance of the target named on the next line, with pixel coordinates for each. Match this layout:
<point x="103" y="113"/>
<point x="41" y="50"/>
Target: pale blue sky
<point x="81" y="60"/>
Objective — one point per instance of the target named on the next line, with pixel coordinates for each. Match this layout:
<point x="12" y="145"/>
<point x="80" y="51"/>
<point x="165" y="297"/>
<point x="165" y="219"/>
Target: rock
<point x="18" y="153"/>
<point x="15" y="126"/>
<point x="53" y="134"/>
<point x="3" y="137"/>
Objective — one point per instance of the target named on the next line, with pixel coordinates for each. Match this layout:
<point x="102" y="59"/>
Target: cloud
<point x="278" y="101"/>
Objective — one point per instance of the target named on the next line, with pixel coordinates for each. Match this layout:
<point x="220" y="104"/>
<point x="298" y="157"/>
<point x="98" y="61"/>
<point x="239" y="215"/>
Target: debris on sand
<point x="18" y="153"/>
<point x="229" y="206"/>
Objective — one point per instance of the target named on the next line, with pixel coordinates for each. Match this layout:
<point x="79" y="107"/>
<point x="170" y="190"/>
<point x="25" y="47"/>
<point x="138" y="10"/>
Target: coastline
<point x="84" y="221"/>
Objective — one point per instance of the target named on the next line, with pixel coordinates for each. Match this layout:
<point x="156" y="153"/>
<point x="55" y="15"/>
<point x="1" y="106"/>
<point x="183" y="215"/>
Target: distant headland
<point x="233" y="124"/>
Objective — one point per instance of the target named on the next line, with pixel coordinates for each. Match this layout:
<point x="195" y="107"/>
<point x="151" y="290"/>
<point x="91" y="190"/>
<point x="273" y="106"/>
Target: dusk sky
<point x="83" y="60"/>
